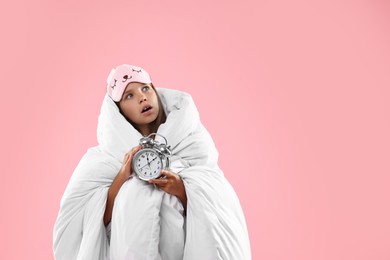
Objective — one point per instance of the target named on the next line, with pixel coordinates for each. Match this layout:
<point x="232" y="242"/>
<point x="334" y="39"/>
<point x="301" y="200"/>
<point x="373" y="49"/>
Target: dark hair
<point x="158" y="121"/>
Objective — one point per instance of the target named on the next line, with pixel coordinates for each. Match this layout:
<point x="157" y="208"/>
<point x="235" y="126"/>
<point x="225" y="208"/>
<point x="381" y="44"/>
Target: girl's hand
<point x="171" y="183"/>
<point x="126" y="170"/>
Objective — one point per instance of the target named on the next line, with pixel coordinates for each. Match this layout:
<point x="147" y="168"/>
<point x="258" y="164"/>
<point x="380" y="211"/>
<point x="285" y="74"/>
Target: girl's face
<point x="139" y="104"/>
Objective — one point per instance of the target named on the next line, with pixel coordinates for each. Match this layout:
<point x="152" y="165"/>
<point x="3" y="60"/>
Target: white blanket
<point x="148" y="223"/>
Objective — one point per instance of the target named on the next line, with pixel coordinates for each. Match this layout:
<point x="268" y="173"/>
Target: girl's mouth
<point x="147" y="108"/>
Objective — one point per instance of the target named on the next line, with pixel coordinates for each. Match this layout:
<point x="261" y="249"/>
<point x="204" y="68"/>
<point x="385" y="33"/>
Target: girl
<point x="108" y="213"/>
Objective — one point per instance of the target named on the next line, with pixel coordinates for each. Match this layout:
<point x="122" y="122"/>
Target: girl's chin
<point x="147" y="120"/>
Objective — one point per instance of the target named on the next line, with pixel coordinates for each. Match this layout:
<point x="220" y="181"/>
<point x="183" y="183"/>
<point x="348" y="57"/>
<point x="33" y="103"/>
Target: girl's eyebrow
<point x="127" y="91"/>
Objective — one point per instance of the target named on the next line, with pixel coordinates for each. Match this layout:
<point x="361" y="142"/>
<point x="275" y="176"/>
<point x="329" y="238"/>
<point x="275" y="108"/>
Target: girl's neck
<point x="145" y="130"/>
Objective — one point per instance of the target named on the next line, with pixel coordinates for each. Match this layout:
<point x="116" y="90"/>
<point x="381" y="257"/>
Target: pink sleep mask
<point x="121" y="76"/>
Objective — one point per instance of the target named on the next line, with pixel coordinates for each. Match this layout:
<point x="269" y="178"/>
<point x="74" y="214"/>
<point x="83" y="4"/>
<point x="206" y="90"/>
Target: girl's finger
<point x="158" y="181"/>
<point x="128" y="160"/>
<point x="166" y="173"/>
<point x="134" y="150"/>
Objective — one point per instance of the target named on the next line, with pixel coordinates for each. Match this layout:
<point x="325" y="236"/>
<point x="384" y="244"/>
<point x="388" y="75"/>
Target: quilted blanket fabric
<point x="148" y="223"/>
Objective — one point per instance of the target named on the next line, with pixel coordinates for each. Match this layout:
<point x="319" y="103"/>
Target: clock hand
<point x="153" y="159"/>
<point x="148" y="163"/>
<point x="147" y="158"/>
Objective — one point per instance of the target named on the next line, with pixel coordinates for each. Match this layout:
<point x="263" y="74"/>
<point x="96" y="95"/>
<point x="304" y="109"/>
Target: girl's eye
<point x="146" y="88"/>
<point x="129" y="96"/>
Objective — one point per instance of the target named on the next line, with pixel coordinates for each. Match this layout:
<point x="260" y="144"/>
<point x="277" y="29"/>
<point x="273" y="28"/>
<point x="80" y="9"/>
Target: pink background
<point x="294" y="93"/>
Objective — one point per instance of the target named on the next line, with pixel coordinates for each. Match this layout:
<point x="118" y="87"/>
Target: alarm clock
<point x="152" y="158"/>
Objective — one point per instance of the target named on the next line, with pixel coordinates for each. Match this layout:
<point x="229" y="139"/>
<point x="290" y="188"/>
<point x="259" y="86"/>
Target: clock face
<point x="147" y="164"/>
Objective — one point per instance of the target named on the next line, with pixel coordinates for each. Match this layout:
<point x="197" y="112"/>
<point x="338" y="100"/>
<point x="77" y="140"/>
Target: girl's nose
<point x="142" y="99"/>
